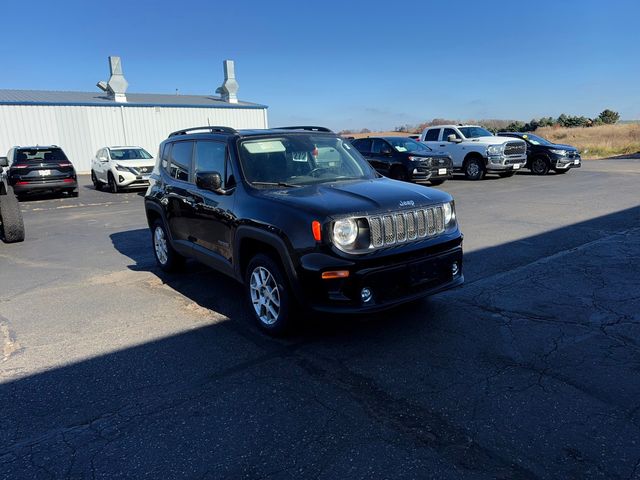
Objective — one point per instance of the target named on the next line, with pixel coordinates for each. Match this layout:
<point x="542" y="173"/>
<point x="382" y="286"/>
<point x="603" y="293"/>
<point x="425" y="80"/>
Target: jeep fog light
<point x="455" y="269"/>
<point x="366" y="295"/>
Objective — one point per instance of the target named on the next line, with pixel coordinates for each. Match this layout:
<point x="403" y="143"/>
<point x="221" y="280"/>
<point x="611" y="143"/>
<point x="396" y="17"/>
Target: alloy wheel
<point x="160" y="245"/>
<point x="265" y="295"/>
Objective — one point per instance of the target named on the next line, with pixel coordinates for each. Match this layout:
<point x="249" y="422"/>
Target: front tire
<point x="113" y="186"/>
<point x="12" y="222"/>
<point x="399" y="173"/>
<point x="474" y="169"/>
<point x="539" y="166"/>
<point x="268" y="295"/>
<point x="97" y="184"/>
<point x="166" y="257"/>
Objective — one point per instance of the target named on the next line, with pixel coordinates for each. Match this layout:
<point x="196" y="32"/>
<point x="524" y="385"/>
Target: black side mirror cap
<point x="4" y="162"/>
<point x="211" y="181"/>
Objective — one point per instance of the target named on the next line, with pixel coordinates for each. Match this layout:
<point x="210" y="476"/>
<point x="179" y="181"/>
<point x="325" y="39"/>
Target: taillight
<point x="19" y="166"/>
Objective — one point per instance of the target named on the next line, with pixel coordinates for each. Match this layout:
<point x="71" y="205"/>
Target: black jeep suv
<point x="543" y="155"/>
<point x="301" y="219"/>
<point x="403" y="158"/>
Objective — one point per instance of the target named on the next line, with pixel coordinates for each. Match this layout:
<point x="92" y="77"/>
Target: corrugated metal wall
<point x="81" y="131"/>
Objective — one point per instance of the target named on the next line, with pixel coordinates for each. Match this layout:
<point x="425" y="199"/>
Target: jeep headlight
<point x="562" y="153"/>
<point x="345" y="232"/>
<point x="449" y="211"/>
<point x="495" y="149"/>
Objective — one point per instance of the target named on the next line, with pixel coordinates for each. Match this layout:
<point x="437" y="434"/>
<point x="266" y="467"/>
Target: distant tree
<point x="532" y="126"/>
<point x="515" y="127"/>
<point x="365" y="130"/>
<point x="546" y="122"/>
<point x="562" y="120"/>
<point x="609" y="117"/>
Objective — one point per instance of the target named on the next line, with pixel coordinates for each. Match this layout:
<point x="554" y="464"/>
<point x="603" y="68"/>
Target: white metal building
<point x="83" y="122"/>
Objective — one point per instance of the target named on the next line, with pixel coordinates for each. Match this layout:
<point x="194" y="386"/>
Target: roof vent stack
<point x="117" y="85"/>
<point x="229" y="88"/>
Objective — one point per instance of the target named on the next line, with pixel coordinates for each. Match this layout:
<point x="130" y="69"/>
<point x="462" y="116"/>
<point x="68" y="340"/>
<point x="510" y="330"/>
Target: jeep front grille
<point x="402" y="227"/>
<point x="515" y="148"/>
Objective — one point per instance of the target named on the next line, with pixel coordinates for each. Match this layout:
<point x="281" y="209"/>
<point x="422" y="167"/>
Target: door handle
<point x="443" y="145"/>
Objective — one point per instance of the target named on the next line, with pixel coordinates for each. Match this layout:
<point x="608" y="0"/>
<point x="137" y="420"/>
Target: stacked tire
<point x="11" y="218"/>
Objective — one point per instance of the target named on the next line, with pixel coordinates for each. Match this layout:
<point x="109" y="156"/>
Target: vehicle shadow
<point x="487" y="381"/>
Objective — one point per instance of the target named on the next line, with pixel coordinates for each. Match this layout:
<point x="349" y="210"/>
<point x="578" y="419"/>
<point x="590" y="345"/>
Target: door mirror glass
<point x="4" y="162"/>
<point x="454" y="139"/>
<point x="211" y="181"/>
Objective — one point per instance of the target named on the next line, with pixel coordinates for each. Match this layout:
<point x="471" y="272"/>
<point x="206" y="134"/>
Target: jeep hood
<point x="361" y="197"/>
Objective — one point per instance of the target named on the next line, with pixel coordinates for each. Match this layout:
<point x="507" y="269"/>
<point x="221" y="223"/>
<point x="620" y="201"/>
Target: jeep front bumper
<point x="395" y="280"/>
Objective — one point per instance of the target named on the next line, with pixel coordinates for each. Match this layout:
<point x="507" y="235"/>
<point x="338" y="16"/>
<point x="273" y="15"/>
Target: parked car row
<point x="469" y="149"/>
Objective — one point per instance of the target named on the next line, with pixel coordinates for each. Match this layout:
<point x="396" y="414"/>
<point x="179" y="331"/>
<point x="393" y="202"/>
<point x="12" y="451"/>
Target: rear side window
<point x="210" y="157"/>
<point x="432" y="135"/>
<point x="180" y="162"/>
<point x="363" y="145"/>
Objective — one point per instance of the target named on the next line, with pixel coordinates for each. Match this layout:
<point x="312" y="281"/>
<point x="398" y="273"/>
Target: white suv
<point x="475" y="150"/>
<point x="121" y="167"/>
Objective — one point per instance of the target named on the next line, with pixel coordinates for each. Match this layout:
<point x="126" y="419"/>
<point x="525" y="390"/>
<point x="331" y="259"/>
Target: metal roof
<point x="44" y="97"/>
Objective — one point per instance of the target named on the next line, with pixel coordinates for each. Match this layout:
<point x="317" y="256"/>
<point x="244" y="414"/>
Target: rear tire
<point x="12" y="222"/>
<point x="166" y="257"/>
<point x="539" y="166"/>
<point x="474" y="169"/>
<point x="269" y="295"/>
<point x="97" y="184"/>
<point x="399" y="173"/>
<point x="113" y="186"/>
<point x="437" y="182"/>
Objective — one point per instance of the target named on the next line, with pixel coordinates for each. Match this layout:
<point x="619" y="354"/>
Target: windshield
<point x="301" y="159"/>
<point x="129" y="154"/>
<point x="474" y="132"/>
<point x="536" y="140"/>
<point x="40" y="155"/>
<point x="403" y="144"/>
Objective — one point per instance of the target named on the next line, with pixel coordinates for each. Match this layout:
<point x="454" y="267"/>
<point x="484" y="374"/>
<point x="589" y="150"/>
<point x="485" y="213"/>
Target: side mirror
<point x="211" y="181"/>
<point x="4" y="162"/>
<point x="103" y="159"/>
<point x="452" y="138"/>
<point x="386" y="151"/>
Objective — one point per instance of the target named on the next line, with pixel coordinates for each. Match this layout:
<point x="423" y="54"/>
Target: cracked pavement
<point x="110" y="368"/>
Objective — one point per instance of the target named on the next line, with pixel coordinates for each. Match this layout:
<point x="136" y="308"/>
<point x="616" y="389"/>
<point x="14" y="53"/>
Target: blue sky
<point x="343" y="64"/>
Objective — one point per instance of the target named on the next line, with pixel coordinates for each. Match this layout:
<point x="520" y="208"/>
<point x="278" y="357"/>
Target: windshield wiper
<point x="277" y="184"/>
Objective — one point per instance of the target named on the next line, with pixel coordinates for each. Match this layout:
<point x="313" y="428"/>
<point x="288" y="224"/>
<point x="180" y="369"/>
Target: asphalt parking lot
<point x="110" y="368"/>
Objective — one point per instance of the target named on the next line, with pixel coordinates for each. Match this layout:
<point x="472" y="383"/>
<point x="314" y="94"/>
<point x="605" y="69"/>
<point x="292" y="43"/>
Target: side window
<point x="432" y="135"/>
<point x="180" y="166"/>
<point x="362" y="145"/>
<point x="164" y="156"/>
<point x="210" y="157"/>
<point x="379" y="145"/>
<point x="447" y="132"/>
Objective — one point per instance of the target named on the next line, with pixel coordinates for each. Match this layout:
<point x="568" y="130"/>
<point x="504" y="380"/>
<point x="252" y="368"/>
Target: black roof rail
<point x="309" y="128"/>
<point x="215" y="129"/>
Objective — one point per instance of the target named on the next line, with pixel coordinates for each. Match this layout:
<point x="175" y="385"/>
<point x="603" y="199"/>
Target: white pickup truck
<point x="475" y="151"/>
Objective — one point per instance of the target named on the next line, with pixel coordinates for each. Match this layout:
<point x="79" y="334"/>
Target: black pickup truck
<point x="12" y="226"/>
<point x="301" y="219"/>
